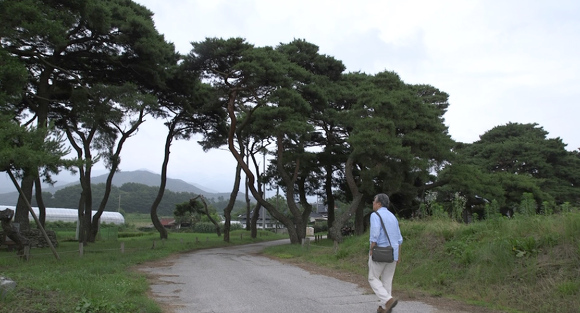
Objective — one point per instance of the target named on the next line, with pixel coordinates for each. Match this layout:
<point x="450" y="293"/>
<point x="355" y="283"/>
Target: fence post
<point x="153" y="247"/>
<point x="122" y="247"/>
<point x="26" y="252"/>
<point x="241" y="236"/>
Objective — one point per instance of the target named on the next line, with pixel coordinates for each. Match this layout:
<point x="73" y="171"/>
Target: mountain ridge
<point x="144" y="177"/>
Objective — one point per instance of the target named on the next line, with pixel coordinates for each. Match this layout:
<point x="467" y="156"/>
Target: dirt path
<point x="240" y="279"/>
<point x="441" y="304"/>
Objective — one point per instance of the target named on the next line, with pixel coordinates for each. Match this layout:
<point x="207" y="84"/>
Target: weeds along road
<point x="235" y="279"/>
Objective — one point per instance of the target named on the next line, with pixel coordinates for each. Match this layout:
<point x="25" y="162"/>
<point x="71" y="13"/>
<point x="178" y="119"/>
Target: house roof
<point x="167" y="221"/>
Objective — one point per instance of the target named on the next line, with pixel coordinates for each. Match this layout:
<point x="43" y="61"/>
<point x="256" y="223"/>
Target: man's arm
<point x="399" y="260"/>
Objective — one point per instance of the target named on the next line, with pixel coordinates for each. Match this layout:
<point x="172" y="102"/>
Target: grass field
<point x="101" y="280"/>
<point x="524" y="264"/>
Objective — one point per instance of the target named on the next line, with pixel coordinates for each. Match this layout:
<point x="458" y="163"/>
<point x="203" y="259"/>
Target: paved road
<point x="236" y="280"/>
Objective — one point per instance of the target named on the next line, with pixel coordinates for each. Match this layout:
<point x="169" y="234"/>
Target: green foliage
<point x="492" y="210"/>
<point x="12" y="80"/>
<point x="104" y="306"/>
<point x="204" y="228"/>
<point x="320" y="227"/>
<point x="135" y="198"/>
<point x="457" y="207"/>
<point x="521" y="159"/>
<point x="568" y="288"/>
<point x="525" y="247"/>
<point x="33" y="149"/>
<point x="528" y="205"/>
<point x="209" y="228"/>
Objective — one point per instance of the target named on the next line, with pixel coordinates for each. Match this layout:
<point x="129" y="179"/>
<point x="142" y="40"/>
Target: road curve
<point x="234" y="279"/>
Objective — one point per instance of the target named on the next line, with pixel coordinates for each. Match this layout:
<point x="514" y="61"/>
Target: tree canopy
<point x="94" y="70"/>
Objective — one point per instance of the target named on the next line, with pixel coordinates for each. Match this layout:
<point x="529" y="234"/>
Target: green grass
<point x="102" y="280"/>
<point x="526" y="264"/>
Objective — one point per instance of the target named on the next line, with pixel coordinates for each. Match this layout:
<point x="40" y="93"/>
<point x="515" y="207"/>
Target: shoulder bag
<point x="383" y="254"/>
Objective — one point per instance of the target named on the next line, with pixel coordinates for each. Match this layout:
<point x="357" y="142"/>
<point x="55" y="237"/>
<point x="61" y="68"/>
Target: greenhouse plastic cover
<point x="71" y="215"/>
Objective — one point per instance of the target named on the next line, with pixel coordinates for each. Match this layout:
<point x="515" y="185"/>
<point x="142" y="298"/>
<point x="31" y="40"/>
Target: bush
<point x="320" y="227"/>
<point x="209" y="228"/>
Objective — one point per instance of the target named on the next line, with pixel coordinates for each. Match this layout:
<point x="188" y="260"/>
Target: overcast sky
<point x="500" y="61"/>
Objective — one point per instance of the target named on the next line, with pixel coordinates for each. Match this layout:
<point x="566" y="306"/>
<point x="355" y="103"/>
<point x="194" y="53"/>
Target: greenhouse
<point x="71" y="215"/>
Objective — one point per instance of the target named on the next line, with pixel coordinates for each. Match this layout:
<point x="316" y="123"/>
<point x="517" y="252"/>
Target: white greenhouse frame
<point x="71" y="215"/>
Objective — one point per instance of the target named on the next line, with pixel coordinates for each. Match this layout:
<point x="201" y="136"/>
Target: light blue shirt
<point x="392" y="225"/>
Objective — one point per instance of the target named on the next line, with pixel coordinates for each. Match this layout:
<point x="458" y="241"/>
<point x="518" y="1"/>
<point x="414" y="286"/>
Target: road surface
<point x="236" y="280"/>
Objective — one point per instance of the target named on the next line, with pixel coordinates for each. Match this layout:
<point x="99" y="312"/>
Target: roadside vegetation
<point x="522" y="264"/>
<point x="102" y="280"/>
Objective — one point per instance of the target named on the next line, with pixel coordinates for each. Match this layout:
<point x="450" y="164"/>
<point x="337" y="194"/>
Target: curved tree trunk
<point x="40" y="202"/>
<point x="334" y="232"/>
<point x="300" y="218"/>
<point x="21" y="214"/>
<point x="251" y="178"/>
<point x="329" y="195"/>
<point x="206" y="212"/>
<point x="254" y="221"/>
<point x="360" y="219"/>
<point x="114" y="161"/>
<point x="41" y="101"/>
<point x="231" y="202"/>
<point x="154" y="218"/>
<point x="258" y="206"/>
<point x="86" y="209"/>
<point x="248" y="207"/>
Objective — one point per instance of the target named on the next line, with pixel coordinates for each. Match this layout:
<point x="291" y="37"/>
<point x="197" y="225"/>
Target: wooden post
<point x="153" y="247"/>
<point x="241" y="236"/>
<point x="26" y="252"/>
<point x="122" y="247"/>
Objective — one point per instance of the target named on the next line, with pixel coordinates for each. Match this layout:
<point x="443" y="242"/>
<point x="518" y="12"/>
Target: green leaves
<point x="522" y="159"/>
<point x="26" y="148"/>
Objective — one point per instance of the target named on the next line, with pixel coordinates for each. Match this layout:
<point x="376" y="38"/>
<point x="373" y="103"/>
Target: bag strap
<point x="386" y="233"/>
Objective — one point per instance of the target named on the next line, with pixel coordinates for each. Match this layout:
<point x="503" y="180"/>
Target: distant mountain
<point x="141" y="177"/>
<point x="150" y="179"/>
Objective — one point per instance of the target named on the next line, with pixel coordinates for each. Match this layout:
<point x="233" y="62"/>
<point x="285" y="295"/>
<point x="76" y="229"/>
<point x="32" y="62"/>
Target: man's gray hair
<point x="383" y="199"/>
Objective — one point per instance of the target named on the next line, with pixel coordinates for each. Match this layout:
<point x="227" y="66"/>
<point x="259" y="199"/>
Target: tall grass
<point x="101" y="280"/>
<point x="524" y="264"/>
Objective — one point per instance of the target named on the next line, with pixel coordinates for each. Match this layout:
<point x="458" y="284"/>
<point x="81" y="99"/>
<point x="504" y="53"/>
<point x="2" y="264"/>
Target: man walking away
<point x="381" y="273"/>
